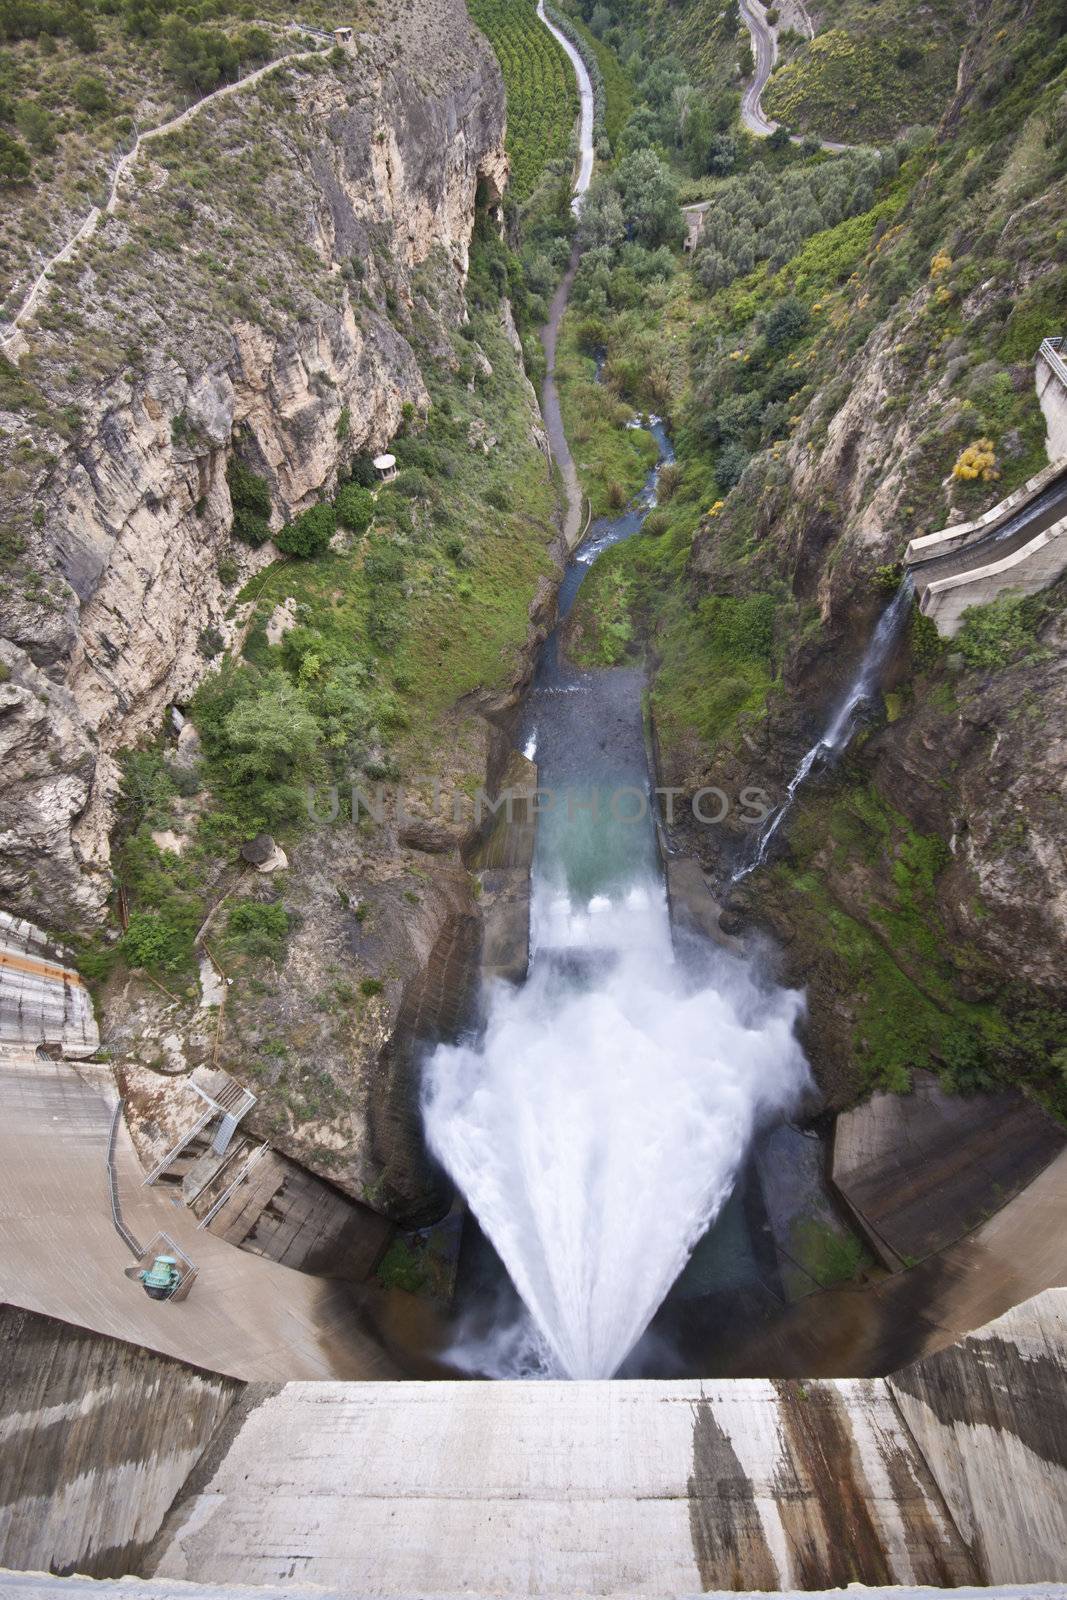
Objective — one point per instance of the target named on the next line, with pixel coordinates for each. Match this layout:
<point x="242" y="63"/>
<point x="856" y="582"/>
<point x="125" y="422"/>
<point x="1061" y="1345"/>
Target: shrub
<point x="91" y="95"/>
<point x="152" y="941"/>
<point x="228" y="570"/>
<point x="731" y="463"/>
<point x="363" y="473"/>
<point x="413" y="484"/>
<point x="249" y="527"/>
<point x="210" y="643"/>
<point x="250" y="497"/>
<point x="978" y="460"/>
<point x="310" y="533"/>
<point x="384" y="563"/>
<point x="14" y="160"/>
<point x="257" y="929"/>
<point x="354" y="506"/>
<point x="990" y="636"/>
<point x="786" y="322"/>
<point x="371" y="986"/>
<point x="35" y="125"/>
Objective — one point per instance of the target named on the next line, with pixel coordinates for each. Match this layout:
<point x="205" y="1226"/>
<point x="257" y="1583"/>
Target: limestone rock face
<point x="121" y="515"/>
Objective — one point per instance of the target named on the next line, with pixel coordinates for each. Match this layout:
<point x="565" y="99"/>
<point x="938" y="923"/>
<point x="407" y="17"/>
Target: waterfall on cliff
<point x="597" y="1127"/>
<point x="841" y="726"/>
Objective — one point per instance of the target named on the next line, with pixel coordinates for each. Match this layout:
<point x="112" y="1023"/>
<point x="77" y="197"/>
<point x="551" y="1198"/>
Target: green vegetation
<point x="861" y="89"/>
<point x="309" y="534"/>
<point x="995" y="634"/>
<point x="826" y="1254"/>
<point x="257" y="929"/>
<point x="612" y="89"/>
<point x="612" y="458"/>
<point x="600" y="627"/>
<point x="251" y="503"/>
<point x="541" y="89"/>
<point x="716" y="663"/>
<point x="895" y="960"/>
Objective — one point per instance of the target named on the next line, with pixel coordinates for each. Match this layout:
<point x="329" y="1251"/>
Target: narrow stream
<point x="598" y="1124"/>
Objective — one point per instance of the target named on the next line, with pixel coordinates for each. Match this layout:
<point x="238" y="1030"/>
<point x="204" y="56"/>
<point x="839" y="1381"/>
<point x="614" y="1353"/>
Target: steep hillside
<point x="823" y="404"/>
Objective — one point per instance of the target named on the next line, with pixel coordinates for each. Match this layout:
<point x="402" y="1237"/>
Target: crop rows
<point x="541" y="89"/>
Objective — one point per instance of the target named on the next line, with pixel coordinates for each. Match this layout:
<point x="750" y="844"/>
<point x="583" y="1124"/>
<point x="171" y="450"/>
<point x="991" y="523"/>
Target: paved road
<point x="585" y="120"/>
<point x="550" y="410"/>
<point x="765" y="51"/>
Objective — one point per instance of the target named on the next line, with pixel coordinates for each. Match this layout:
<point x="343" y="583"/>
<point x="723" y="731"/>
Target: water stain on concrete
<point x="728" y="1539"/>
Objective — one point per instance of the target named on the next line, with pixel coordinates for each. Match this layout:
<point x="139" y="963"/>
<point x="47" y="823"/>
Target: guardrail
<point x="130" y="1240"/>
<point x="253" y="1161"/>
<point x="1050" y="354"/>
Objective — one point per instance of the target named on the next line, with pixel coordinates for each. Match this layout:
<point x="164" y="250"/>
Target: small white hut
<point x="385" y="467"/>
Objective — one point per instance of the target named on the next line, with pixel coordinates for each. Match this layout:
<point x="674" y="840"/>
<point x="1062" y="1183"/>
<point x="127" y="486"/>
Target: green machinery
<point x="162" y="1278"/>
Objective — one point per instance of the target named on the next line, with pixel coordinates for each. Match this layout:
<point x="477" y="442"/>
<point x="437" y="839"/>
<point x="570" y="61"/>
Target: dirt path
<point x="9" y="340"/>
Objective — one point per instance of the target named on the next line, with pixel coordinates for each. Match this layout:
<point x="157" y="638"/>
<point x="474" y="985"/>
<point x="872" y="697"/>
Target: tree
<point x="602" y="222"/>
<point x="731" y="463"/>
<point x="786" y="322"/>
<point x="779" y="139"/>
<point x="722" y="155"/>
<point x="650" y="200"/>
<point x="14" y="160"/>
<point x="354" y="506"/>
<point x="271" y="734"/>
<point x="251" y="503"/>
<point x="310" y="533"/>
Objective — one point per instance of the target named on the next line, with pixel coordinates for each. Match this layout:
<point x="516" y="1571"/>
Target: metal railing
<point x="129" y="1240"/>
<point x="230" y="1105"/>
<point x="254" y="1159"/>
<point x="1050" y="354"/>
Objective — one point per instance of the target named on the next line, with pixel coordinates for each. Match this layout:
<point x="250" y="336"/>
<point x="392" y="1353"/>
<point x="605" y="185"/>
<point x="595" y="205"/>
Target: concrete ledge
<point x="1024" y="572"/>
<point x="952" y="539"/>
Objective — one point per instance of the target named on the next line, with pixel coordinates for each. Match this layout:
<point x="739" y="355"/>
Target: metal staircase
<point x="208" y="1145"/>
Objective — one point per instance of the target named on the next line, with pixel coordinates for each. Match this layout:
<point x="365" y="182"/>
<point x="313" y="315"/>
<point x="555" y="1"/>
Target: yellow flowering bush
<point x="977" y="461"/>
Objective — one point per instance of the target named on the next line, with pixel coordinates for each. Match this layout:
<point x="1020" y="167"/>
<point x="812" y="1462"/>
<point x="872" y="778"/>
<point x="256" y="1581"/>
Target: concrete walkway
<point x="59" y="1253"/>
<point x="649" y="1488"/>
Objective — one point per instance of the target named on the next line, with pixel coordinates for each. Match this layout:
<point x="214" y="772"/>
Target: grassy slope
<point x="860" y="83"/>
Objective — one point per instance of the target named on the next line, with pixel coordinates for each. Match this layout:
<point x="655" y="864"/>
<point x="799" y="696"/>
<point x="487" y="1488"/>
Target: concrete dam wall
<point x="98" y="1437"/>
<point x="649" y="1487"/>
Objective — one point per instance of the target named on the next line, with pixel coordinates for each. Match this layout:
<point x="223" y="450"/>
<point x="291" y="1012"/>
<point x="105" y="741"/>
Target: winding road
<point x="765" y="52"/>
<point x="11" y="343"/>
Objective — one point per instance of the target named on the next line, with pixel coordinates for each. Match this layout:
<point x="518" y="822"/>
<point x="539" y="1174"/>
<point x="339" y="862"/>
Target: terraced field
<point x="542" y="95"/>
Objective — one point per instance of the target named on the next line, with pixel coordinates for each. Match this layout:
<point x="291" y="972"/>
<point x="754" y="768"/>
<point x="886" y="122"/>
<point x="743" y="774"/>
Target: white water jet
<point x="840" y="728"/>
<point x="598" y="1126"/>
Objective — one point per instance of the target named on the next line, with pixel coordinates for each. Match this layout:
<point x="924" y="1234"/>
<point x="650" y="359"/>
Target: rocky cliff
<point x="253" y="287"/>
<point x="284" y="284"/>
